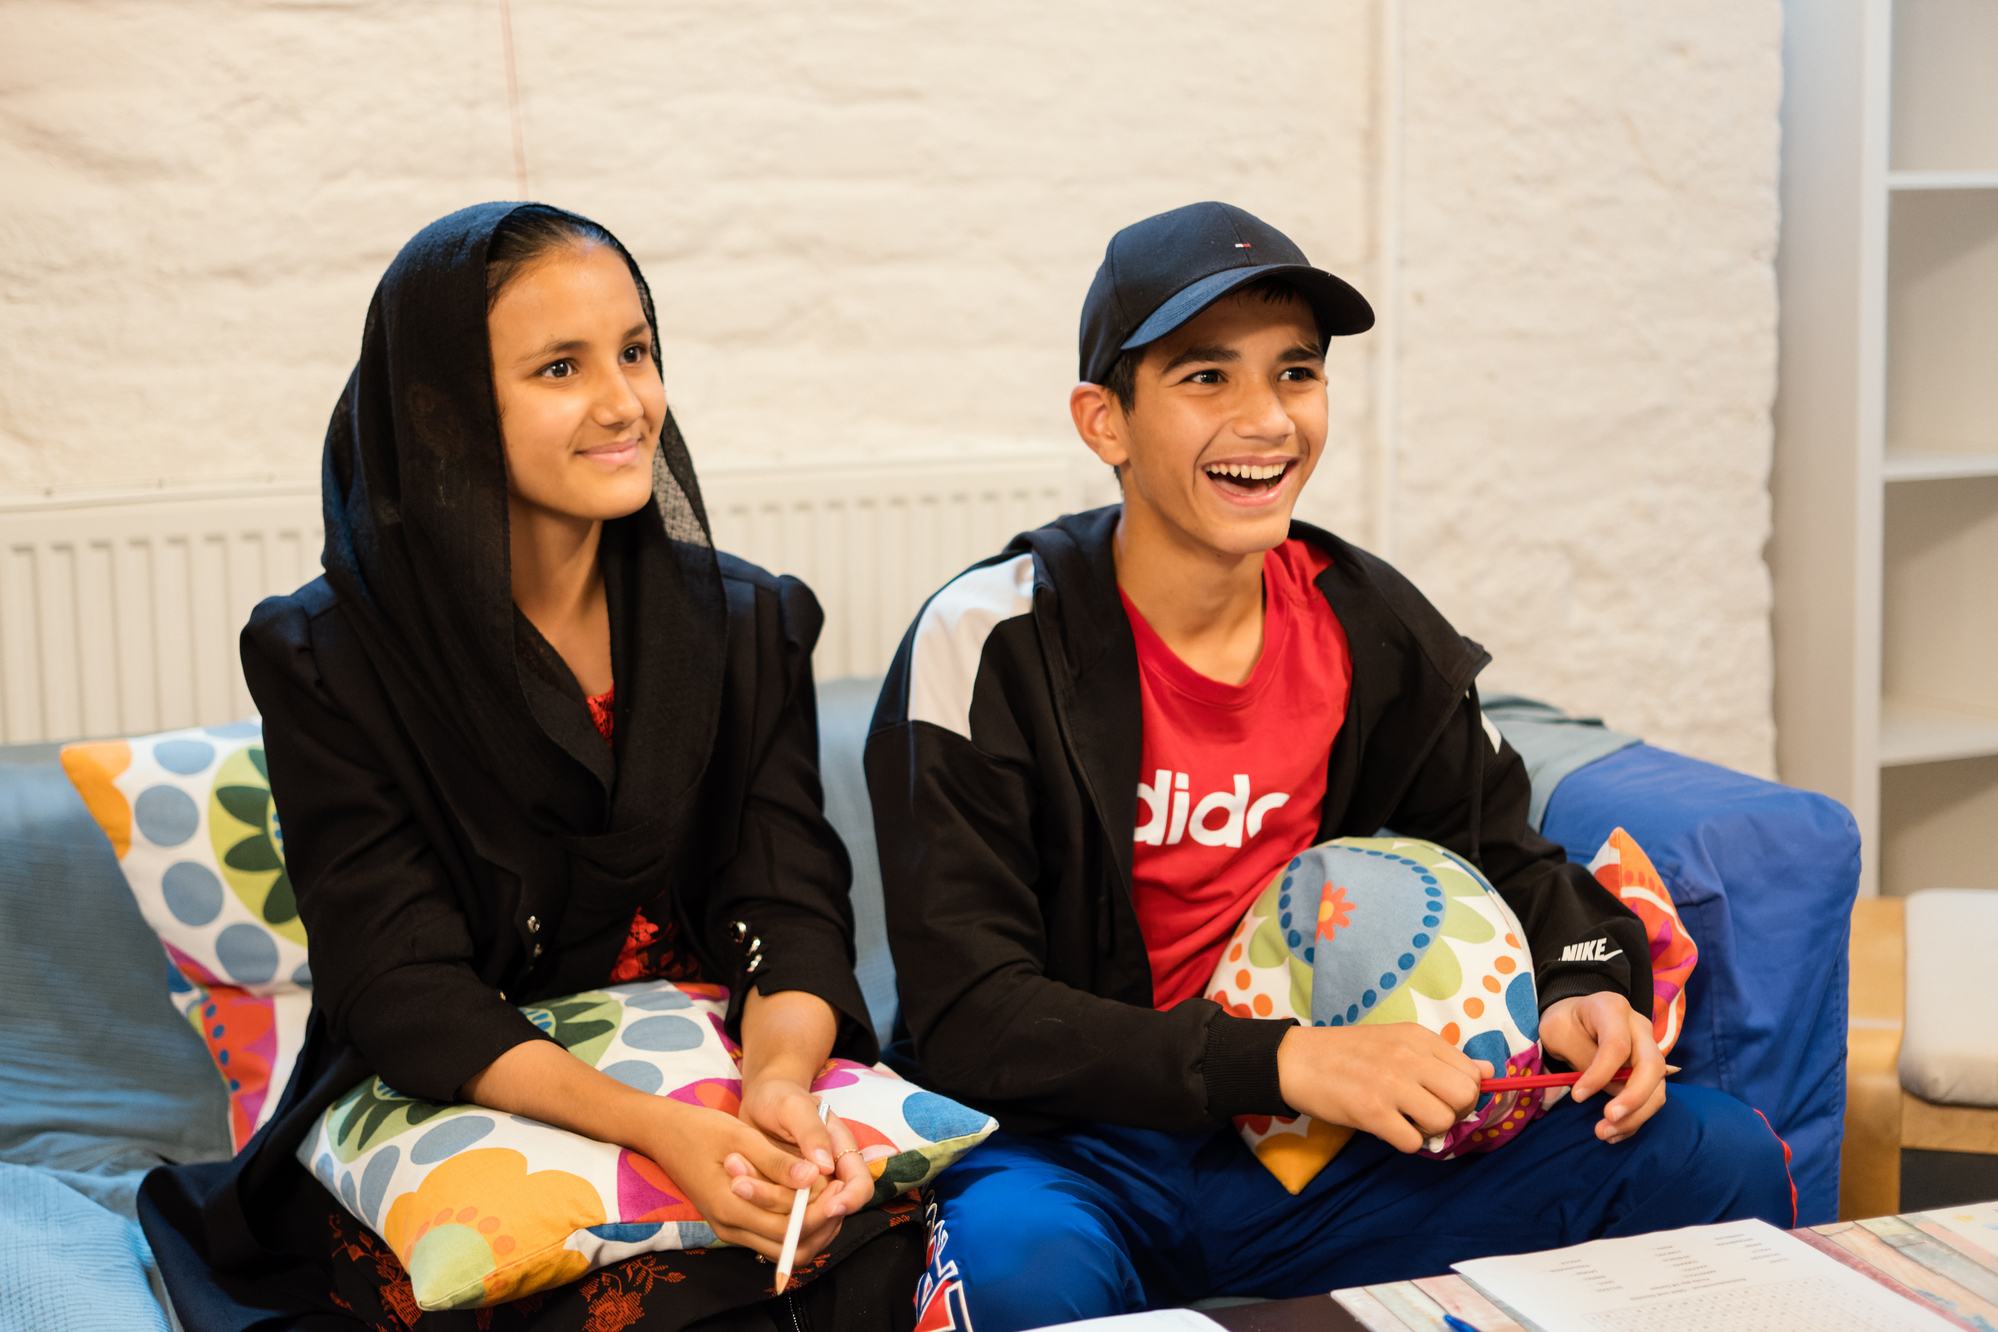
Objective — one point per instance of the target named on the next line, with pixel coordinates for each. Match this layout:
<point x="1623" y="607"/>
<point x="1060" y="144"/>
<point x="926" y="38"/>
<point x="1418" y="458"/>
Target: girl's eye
<point x="634" y="353"/>
<point x="560" y="370"/>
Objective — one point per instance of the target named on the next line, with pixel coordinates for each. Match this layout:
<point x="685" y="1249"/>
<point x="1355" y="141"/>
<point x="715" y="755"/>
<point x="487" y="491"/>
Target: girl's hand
<point x="725" y="1166"/>
<point x="789" y="1114"/>
<point x="786" y="1039"/>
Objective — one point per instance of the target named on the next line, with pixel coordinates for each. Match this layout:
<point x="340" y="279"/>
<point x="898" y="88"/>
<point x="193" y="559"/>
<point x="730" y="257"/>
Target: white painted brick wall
<point x="1590" y="353"/>
<point x="870" y="225"/>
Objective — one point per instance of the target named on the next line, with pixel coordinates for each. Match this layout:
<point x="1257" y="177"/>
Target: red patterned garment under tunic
<point x="650" y="951"/>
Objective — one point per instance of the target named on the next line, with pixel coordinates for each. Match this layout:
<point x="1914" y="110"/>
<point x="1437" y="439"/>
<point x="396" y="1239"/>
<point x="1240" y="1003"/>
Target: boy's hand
<point x="1400" y="1082"/>
<point x="1599" y="1034"/>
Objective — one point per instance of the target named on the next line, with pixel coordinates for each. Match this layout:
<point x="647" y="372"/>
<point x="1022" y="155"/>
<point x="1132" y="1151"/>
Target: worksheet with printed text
<point x="1723" y="1278"/>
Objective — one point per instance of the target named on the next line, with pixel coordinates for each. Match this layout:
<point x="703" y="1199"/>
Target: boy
<point x="1054" y="929"/>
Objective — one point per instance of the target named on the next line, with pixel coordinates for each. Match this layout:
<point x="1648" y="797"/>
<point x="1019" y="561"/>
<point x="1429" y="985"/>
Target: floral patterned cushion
<point x="483" y="1207"/>
<point x="1367" y="930"/>
<point x="190" y="816"/>
<point x="1622" y="867"/>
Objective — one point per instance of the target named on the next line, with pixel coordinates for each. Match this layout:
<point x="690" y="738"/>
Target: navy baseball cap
<point x="1161" y="272"/>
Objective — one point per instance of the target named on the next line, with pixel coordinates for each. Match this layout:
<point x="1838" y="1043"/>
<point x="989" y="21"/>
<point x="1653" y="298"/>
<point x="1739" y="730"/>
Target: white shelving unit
<point x="1885" y="549"/>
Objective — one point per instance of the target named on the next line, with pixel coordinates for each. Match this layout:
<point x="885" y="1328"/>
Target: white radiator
<point x="873" y="543"/>
<point x="120" y="618"/>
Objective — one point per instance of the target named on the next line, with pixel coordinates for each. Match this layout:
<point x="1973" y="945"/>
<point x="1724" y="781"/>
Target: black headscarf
<point x="417" y="549"/>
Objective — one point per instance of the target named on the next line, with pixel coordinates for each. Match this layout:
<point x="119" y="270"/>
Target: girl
<point x="530" y="735"/>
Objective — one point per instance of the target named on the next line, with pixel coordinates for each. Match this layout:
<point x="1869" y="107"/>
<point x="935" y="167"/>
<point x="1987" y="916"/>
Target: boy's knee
<point x="1030" y="1257"/>
<point x="1061" y="1246"/>
<point x="1728" y="1151"/>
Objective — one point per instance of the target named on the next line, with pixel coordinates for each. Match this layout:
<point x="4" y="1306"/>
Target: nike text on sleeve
<point x="1595" y="950"/>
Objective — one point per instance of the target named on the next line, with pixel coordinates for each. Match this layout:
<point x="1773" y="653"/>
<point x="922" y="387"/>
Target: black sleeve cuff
<point x="780" y="952"/>
<point x="1573" y="985"/>
<point x="393" y="1023"/>
<point x="1626" y="972"/>
<point x="1240" y="1067"/>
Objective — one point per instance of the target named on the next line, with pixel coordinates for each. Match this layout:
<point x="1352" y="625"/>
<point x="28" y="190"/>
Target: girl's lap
<point x="653" y="1292"/>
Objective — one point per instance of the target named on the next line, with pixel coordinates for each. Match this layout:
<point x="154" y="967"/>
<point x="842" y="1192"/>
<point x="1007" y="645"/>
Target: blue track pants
<point x="1028" y="1231"/>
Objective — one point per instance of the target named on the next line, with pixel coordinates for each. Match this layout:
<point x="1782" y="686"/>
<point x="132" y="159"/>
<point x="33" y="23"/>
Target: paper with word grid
<point x="1724" y="1278"/>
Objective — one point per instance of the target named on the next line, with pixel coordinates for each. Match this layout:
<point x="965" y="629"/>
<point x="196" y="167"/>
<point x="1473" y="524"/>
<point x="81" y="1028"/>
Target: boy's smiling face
<point x="1225" y="426"/>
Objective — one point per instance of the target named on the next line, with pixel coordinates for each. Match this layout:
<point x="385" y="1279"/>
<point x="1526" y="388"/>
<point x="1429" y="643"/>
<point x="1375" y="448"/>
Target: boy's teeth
<point x="1248" y="471"/>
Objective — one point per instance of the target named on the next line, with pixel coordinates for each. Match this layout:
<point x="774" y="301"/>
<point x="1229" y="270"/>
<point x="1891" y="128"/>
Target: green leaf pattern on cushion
<point x="916" y="1167"/>
<point x="582" y="1024"/>
<point x="375" y="1112"/>
<point x="1395" y="1006"/>
<point x="1300" y="985"/>
<point x="1266" y="947"/>
<point x="1439" y="975"/>
<point x="249" y="847"/>
<point x="1460" y="921"/>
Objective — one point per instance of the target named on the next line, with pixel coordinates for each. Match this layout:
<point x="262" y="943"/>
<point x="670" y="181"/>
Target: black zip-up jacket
<point x="1003" y="763"/>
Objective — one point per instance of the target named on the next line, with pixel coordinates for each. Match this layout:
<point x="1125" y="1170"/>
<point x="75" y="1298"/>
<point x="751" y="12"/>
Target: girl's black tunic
<point x="462" y="840"/>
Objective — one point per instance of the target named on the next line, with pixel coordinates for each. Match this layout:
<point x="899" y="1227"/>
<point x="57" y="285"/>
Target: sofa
<point x="101" y="1078"/>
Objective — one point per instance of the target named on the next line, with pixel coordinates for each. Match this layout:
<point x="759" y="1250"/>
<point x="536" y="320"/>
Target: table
<point x="1916" y="1254"/>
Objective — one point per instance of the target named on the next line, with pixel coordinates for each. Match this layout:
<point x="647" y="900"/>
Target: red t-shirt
<point x="1233" y="775"/>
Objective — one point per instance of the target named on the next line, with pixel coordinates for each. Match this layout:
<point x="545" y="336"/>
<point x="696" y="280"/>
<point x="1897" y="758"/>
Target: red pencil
<point x="1534" y="1080"/>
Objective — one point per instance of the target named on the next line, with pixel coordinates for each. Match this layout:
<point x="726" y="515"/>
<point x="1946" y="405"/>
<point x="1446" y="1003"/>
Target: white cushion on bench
<point x="1949" y="1043"/>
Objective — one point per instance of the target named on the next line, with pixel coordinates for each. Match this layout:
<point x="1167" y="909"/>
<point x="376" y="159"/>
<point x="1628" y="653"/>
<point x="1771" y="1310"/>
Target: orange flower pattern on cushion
<point x="1622" y="867"/>
<point x="510" y="1238"/>
<point x="1334" y="912"/>
<point x="189" y="816"/>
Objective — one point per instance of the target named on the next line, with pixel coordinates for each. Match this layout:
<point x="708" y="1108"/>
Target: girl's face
<point x="580" y="402"/>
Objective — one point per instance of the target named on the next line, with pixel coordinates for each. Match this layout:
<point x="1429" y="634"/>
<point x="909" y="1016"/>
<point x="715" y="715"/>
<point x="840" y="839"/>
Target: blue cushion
<point x="1764" y="877"/>
<point x="98" y="1074"/>
<point x="100" y="1078"/>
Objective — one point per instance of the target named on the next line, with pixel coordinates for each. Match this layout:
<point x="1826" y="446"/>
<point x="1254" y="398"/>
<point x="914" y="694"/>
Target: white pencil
<point x="797" y="1225"/>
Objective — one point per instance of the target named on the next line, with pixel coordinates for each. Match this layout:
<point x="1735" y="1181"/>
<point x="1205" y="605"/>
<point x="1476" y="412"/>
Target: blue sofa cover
<point x="1764" y="877"/>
